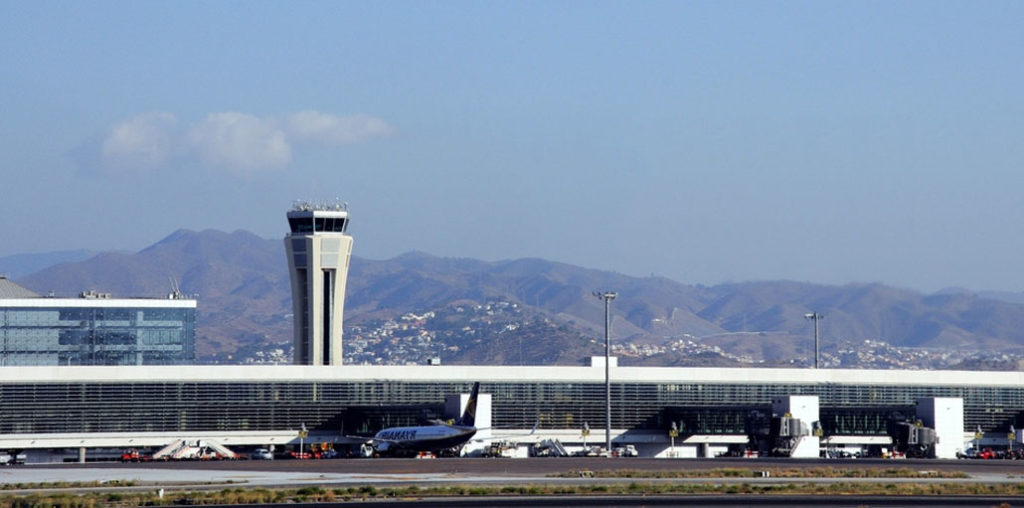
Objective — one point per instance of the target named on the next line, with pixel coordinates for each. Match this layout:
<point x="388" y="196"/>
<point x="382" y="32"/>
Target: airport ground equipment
<point x="549" y="448"/>
<point x="199" y="449"/>
<point x="912" y="438"/>
<point x="776" y="435"/>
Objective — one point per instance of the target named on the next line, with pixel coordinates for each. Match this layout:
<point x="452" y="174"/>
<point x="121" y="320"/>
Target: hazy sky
<point x="828" y="142"/>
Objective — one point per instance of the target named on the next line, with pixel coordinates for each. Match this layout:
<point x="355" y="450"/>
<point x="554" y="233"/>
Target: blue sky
<point x="829" y="142"/>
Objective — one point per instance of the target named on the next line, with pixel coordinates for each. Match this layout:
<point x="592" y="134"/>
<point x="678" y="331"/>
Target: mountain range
<point x="241" y="282"/>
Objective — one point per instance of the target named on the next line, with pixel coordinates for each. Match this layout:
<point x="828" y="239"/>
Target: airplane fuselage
<point x="425" y="438"/>
<point x="430" y="438"/>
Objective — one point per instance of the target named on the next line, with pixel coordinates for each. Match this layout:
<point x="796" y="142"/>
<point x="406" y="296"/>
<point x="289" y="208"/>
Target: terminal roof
<point x="8" y="289"/>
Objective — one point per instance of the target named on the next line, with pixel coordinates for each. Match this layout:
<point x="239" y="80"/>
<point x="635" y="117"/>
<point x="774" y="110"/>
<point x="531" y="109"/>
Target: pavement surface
<point x="470" y="470"/>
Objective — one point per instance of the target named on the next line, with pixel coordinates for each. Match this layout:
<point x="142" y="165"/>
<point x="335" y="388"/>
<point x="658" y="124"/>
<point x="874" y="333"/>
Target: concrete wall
<point x="805" y="408"/>
<point x="946" y="416"/>
<point x="455" y="405"/>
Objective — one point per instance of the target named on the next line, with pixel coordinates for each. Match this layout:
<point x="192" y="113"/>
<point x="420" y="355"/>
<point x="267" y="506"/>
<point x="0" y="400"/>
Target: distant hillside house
<point x="94" y="329"/>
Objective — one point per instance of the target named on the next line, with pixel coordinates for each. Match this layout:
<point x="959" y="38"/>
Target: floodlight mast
<point x="607" y="296"/>
<point x="814" y="316"/>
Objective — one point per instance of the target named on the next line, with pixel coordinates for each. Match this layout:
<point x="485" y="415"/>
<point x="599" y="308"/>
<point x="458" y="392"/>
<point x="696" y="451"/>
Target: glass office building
<point x="97" y="330"/>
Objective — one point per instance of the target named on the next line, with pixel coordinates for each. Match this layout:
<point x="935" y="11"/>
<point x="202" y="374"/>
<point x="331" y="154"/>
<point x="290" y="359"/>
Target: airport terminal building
<point x="83" y="407"/>
<point x="77" y="375"/>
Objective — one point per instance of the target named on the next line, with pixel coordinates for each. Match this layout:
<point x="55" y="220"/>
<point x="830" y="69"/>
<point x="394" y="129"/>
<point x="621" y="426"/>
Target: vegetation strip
<point x="106" y="484"/>
<point x="367" y="492"/>
<point x="67" y="485"/>
<point x="817" y="472"/>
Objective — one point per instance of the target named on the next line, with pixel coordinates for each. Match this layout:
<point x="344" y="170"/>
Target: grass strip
<point x="232" y="496"/>
<point x="814" y="472"/>
<point x="67" y="485"/>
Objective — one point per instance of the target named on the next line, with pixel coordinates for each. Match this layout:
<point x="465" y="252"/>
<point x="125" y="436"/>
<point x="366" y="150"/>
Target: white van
<point x="261" y="454"/>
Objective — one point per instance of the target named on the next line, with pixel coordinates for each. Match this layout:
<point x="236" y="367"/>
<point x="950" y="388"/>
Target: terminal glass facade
<point x="97" y="335"/>
<point x="363" y="407"/>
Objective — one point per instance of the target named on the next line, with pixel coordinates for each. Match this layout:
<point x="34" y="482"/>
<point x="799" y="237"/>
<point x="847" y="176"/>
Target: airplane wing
<point x="505" y="436"/>
<point x="366" y="439"/>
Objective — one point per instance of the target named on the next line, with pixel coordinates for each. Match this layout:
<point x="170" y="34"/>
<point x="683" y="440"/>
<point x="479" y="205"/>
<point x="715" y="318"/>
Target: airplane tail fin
<point x="468" y="418"/>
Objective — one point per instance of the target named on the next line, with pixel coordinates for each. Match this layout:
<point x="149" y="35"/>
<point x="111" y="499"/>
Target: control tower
<point x="318" y="250"/>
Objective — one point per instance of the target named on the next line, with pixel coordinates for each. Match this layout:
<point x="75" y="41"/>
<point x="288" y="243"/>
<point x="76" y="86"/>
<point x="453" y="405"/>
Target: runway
<point x="384" y="473"/>
<point x="474" y="470"/>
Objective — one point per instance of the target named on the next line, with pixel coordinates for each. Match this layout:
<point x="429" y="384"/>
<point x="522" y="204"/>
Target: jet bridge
<point x="792" y="430"/>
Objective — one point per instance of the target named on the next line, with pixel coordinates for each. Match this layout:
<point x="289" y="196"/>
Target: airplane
<point x="429" y="438"/>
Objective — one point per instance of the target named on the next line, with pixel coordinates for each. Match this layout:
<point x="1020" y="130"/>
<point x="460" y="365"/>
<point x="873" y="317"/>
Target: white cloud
<point x="239" y="141"/>
<point x="331" y="130"/>
<point x="143" y="142"/>
<point x="234" y="141"/>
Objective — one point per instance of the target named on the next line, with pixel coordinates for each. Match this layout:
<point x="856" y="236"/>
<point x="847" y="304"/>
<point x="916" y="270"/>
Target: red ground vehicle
<point x="974" y="453"/>
<point x="133" y="455"/>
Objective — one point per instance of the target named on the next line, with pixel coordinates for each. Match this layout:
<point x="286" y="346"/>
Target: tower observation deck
<point x="319" y="249"/>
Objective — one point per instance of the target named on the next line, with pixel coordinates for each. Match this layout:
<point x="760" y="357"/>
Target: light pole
<point x="607" y="296"/>
<point x="1011" y="437"/>
<point x="673" y="433"/>
<point x="814" y="316"/>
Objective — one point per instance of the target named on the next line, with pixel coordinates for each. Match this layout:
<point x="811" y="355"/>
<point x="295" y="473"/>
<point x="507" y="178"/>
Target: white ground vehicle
<point x="261" y="454"/>
<point x="624" y="451"/>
